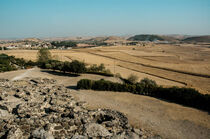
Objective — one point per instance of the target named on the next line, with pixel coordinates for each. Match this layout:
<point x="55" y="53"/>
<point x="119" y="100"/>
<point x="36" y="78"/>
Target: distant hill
<point x="146" y="38"/>
<point x="32" y="40"/>
<point x="197" y="39"/>
<point x="110" y="38"/>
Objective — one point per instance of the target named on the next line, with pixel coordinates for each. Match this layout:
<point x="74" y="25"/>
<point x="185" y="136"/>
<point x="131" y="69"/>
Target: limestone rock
<point x="40" y="108"/>
<point x="96" y="130"/>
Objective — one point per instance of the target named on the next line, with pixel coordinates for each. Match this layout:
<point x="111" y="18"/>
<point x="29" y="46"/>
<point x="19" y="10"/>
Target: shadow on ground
<point x="72" y="87"/>
<point x="60" y="73"/>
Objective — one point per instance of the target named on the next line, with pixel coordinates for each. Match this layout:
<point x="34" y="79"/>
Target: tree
<point x="101" y="67"/>
<point x="44" y="55"/>
<point x="148" y="82"/>
<point x="66" y="67"/>
<point x="132" y="78"/>
<point x="148" y="85"/>
<point x="77" y="67"/>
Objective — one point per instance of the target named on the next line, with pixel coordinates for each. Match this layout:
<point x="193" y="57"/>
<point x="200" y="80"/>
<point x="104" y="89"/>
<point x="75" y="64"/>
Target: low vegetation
<point x="185" y="96"/>
<point x="73" y="67"/>
<point x="146" y="38"/>
<point x="65" y="44"/>
<point x="45" y="61"/>
<point x="9" y="63"/>
<point x="100" y="70"/>
<point x="132" y="78"/>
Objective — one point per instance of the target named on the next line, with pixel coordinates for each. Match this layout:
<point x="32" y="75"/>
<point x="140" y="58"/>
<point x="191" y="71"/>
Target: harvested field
<point x="160" y="117"/>
<point x="169" y="65"/>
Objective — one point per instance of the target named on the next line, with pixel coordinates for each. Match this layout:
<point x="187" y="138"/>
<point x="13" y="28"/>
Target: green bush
<point x="185" y="96"/>
<point x="148" y="86"/>
<point x="132" y="78"/>
<point x="9" y="63"/>
<point x="84" y="84"/>
<point x="95" y="68"/>
<point x="77" y="67"/>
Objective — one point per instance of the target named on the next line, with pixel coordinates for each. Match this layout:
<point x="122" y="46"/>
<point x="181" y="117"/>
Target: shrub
<point x="148" y="86"/>
<point x="95" y="68"/>
<point x="48" y="66"/>
<point x="186" y="96"/>
<point x="9" y="63"/>
<point x="132" y="78"/>
<point x="118" y="75"/>
<point x="148" y="82"/>
<point x="84" y="84"/>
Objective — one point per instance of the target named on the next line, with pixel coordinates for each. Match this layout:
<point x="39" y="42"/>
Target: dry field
<point x="170" y="120"/>
<point x="185" y="65"/>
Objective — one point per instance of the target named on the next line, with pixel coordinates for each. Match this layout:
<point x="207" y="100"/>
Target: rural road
<point x="163" y="118"/>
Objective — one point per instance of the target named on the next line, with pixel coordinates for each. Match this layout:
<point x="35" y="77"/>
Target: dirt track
<point x="166" y="119"/>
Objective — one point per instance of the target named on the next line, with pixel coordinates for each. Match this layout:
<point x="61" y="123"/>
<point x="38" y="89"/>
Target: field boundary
<point x="155" y="67"/>
<point x="154" y="75"/>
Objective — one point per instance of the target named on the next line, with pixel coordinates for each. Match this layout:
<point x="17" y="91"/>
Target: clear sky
<point x="63" y="18"/>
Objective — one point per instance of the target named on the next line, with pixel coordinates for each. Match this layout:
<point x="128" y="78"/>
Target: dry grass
<point x="168" y="61"/>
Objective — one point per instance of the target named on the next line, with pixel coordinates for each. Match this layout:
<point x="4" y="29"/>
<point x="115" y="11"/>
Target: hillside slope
<point x="198" y="39"/>
<point x="146" y="38"/>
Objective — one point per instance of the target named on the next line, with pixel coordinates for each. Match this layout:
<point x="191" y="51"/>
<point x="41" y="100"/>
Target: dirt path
<point x="23" y="75"/>
<point x="166" y="119"/>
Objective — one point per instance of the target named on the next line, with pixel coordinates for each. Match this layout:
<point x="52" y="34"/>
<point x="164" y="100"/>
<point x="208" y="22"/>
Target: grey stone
<point x="43" y="109"/>
<point x="79" y="137"/>
<point x="42" y="134"/>
<point x="96" y="130"/>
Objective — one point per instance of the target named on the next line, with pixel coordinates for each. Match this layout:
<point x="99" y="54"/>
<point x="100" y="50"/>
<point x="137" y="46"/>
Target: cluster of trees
<point x="9" y="63"/>
<point x="73" y="67"/>
<point x="185" y="96"/>
<point x="100" y="70"/>
<point x="65" y="44"/>
<point x="45" y="61"/>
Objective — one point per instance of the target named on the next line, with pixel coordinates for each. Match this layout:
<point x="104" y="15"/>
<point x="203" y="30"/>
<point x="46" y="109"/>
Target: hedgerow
<point x="185" y="96"/>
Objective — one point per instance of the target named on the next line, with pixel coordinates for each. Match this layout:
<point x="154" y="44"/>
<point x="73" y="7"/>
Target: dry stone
<point x="40" y="108"/>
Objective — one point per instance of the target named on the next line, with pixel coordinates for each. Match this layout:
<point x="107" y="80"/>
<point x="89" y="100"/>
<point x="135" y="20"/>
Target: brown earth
<point x="166" y="119"/>
<point x="169" y="65"/>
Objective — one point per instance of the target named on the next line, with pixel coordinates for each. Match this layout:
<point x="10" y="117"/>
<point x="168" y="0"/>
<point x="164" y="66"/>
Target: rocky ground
<point x="39" y="108"/>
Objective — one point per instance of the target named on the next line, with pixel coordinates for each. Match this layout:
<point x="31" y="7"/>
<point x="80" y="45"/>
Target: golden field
<point x="169" y="65"/>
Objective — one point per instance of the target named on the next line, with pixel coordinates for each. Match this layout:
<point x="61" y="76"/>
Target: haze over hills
<point x="145" y="38"/>
<point x="198" y="39"/>
<point x="141" y="37"/>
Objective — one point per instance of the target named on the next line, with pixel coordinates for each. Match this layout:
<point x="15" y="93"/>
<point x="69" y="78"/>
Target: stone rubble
<point x="41" y="109"/>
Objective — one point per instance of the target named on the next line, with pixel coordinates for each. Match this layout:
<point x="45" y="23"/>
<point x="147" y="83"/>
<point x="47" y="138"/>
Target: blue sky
<point x="62" y="18"/>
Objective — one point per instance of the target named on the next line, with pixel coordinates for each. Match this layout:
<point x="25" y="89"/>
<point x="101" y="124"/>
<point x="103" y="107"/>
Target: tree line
<point x="45" y="61"/>
<point x="185" y="96"/>
<point x="65" y="44"/>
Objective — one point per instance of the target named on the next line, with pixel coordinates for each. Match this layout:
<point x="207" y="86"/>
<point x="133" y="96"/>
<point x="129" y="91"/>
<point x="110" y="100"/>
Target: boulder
<point x="96" y="130"/>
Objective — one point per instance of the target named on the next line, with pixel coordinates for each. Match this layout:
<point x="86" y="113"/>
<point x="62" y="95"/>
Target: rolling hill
<point x="198" y="39"/>
<point x="146" y="38"/>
